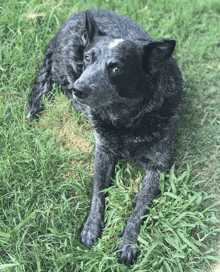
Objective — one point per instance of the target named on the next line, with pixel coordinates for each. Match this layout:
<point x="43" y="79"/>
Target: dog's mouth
<point x="79" y="94"/>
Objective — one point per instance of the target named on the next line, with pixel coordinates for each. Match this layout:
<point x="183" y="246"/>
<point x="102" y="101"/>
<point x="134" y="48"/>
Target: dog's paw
<point x="91" y="231"/>
<point x="127" y="252"/>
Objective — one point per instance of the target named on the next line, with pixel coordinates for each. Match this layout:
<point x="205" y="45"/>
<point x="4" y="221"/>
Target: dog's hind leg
<point x="43" y="83"/>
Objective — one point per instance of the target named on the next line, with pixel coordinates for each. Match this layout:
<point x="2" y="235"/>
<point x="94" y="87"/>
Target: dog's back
<point x="114" y="24"/>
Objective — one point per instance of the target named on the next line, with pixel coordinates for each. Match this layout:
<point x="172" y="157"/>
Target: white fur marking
<point x="115" y="43"/>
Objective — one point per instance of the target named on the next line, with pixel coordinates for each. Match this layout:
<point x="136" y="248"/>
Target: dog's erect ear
<point x="156" y="53"/>
<point x="92" y="28"/>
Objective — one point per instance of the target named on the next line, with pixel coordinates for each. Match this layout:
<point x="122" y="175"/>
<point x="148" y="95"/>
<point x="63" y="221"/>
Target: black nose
<point x="81" y="90"/>
<point x="79" y="93"/>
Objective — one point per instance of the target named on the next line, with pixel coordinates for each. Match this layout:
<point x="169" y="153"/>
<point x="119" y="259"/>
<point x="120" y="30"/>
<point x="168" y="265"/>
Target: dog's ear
<point x="155" y="53"/>
<point x="92" y="28"/>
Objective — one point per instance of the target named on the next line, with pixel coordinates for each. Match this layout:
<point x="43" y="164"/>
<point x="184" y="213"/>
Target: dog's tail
<point x="43" y="83"/>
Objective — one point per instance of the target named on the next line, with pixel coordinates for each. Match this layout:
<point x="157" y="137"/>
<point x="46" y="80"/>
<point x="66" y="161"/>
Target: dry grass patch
<point x="72" y="131"/>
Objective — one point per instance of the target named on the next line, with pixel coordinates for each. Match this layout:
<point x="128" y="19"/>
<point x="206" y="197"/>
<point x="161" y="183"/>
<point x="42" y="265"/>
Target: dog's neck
<point x="118" y="117"/>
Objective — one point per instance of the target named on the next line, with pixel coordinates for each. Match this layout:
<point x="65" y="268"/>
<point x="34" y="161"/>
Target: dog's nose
<point x="81" y="90"/>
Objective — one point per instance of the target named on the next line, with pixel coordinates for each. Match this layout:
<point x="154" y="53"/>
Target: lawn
<point x="46" y="163"/>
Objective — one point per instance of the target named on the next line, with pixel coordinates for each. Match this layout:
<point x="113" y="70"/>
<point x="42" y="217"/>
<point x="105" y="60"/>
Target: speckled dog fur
<point x="133" y="91"/>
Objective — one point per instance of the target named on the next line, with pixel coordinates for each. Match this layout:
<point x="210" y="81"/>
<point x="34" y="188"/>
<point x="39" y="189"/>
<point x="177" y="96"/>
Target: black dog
<point x="133" y="91"/>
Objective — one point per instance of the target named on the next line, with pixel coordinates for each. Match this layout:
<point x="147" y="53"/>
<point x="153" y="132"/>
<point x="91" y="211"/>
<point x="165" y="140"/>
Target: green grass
<point x="46" y="164"/>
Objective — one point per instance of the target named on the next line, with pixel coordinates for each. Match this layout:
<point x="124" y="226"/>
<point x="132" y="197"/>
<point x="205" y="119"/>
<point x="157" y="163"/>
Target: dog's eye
<point x="117" y="70"/>
<point x="87" y="59"/>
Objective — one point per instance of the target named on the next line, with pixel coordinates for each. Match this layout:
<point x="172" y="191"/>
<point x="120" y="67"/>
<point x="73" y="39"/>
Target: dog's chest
<point x="133" y="142"/>
<point x="122" y="145"/>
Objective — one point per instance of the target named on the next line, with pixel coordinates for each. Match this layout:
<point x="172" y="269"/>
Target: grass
<point x="46" y="164"/>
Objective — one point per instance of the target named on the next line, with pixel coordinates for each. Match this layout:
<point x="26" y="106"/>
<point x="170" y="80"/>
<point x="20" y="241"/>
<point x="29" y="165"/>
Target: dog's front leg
<point x="104" y="165"/>
<point x="149" y="190"/>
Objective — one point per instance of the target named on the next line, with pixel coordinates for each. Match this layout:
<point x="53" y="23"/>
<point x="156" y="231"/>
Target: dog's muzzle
<point x="79" y="93"/>
<point x="81" y="90"/>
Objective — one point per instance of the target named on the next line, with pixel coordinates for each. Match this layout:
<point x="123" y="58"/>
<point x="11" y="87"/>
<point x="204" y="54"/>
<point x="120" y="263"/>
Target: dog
<point x="133" y="91"/>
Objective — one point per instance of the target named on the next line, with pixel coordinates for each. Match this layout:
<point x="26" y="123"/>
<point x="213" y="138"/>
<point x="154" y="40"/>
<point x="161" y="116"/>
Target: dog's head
<point x="117" y="70"/>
